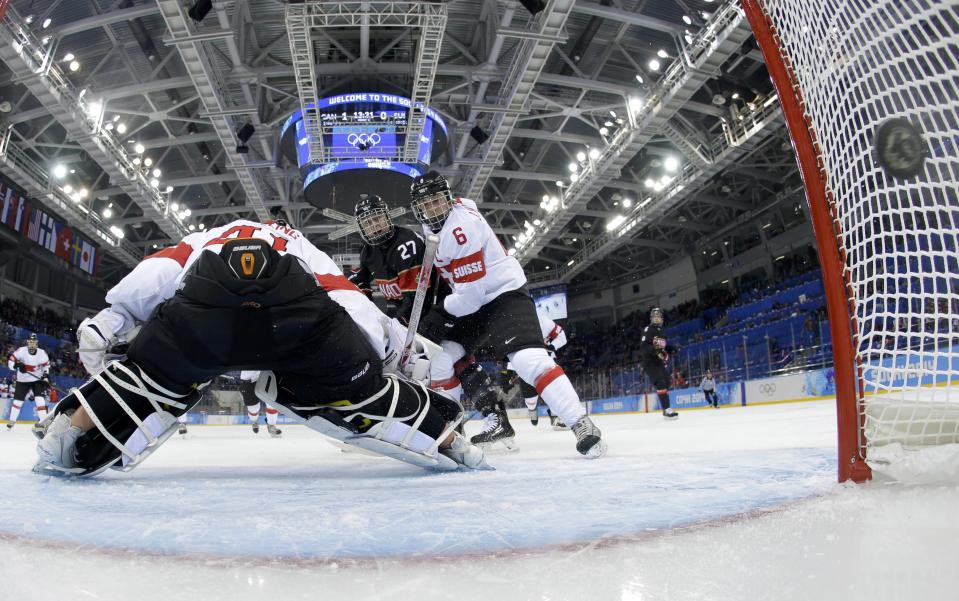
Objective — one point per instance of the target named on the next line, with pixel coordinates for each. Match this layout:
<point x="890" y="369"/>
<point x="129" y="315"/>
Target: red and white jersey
<point x="6" y="390"/>
<point x="37" y="364"/>
<point x="472" y="260"/>
<point x="158" y="276"/>
<point x="553" y="335"/>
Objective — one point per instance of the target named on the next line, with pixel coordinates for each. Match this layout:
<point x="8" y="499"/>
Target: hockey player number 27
<point x="459" y="235"/>
<point x="402" y="249"/>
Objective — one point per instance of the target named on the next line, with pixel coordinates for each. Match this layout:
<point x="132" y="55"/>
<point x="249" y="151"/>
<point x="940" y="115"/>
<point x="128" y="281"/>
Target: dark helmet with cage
<point x="656" y="316"/>
<point x="432" y="200"/>
<point x="33" y="343"/>
<point x="373" y="220"/>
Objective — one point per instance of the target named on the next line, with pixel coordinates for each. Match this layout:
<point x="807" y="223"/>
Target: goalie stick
<point x="432" y="242"/>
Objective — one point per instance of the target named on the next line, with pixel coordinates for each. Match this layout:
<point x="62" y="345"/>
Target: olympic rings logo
<point x="767" y="389"/>
<point x="363" y="141"/>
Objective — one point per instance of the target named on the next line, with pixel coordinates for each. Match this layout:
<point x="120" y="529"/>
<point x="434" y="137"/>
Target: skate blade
<point x="507" y="445"/>
<point x="596" y="451"/>
<point x="670" y="418"/>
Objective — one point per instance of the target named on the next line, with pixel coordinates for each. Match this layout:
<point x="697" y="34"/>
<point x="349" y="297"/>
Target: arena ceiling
<point x="663" y="107"/>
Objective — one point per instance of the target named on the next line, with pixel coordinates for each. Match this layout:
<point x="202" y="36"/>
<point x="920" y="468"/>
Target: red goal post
<point x="888" y="238"/>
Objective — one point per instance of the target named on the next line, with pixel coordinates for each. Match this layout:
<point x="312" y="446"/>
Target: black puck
<point x="900" y="149"/>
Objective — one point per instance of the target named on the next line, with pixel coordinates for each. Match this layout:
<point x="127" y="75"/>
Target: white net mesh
<point x="856" y="64"/>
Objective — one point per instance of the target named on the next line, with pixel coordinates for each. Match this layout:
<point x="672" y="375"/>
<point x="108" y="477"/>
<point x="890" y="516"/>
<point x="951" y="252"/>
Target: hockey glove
<point x="437" y="324"/>
<point x="45" y="382"/>
<point x="21" y="367"/>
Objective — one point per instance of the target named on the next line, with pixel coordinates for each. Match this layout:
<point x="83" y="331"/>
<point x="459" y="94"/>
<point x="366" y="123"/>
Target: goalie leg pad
<point x="132" y="417"/>
<point x="402" y="420"/>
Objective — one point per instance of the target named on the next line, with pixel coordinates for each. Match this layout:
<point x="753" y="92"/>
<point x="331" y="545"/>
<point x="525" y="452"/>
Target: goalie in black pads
<point x="654" y="355"/>
<point x="250" y="296"/>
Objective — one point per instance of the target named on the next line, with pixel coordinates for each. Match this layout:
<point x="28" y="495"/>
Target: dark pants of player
<point x="654" y="368"/>
<point x="505" y="325"/>
<point x="22" y="389"/>
<point x="711" y="397"/>
<point x="218" y="323"/>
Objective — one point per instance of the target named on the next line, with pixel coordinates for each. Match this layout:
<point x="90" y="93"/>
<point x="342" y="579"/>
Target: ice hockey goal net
<point x="887" y="230"/>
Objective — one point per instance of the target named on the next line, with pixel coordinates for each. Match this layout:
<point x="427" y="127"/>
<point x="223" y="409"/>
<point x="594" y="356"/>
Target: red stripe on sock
<point x="448" y="384"/>
<point x="270" y="411"/>
<point x="546" y="379"/>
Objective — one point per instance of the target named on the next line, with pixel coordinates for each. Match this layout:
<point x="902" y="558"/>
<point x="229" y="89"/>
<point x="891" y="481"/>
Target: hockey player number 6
<point x="459" y="235"/>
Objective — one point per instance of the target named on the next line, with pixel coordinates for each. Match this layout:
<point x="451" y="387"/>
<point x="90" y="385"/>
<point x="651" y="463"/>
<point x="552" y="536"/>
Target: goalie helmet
<point x="432" y="200"/>
<point x="33" y="343"/>
<point x="656" y="316"/>
<point x="373" y="220"/>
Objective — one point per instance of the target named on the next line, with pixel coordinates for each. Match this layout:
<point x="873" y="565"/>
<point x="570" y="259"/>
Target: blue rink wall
<point x="906" y="370"/>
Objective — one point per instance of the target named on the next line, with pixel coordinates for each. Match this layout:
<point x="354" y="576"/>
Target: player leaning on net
<point x="489" y="307"/>
<point x="254" y="296"/>
<point x="248" y="380"/>
<point x="654" y="356"/>
<point x="31" y="367"/>
<point x="391" y="258"/>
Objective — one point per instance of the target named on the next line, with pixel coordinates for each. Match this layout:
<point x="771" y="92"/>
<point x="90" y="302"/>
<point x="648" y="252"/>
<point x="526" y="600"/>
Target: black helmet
<point x="427" y="190"/>
<point x="33" y="342"/>
<point x="656" y="316"/>
<point x="373" y="219"/>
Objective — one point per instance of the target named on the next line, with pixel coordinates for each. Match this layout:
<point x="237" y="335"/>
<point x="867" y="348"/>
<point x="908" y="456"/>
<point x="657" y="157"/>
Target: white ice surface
<point x="739" y="503"/>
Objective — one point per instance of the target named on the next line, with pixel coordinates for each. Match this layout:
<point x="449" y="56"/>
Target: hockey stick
<point x="432" y="242"/>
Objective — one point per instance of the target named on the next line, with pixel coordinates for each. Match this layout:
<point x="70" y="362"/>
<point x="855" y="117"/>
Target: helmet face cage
<point x="656" y="317"/>
<point x="432" y="200"/>
<point x="373" y="220"/>
<point x="32" y="342"/>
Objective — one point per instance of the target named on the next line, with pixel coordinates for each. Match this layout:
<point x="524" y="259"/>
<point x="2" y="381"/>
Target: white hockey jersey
<point x="553" y="334"/>
<point x="158" y="276"/>
<point x="37" y="364"/>
<point x="472" y="260"/>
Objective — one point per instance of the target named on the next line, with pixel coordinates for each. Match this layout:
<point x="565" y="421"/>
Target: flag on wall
<point x="87" y="257"/>
<point x="64" y="243"/>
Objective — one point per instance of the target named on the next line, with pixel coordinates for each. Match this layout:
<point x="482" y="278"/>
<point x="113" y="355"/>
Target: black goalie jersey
<point x="393" y="268"/>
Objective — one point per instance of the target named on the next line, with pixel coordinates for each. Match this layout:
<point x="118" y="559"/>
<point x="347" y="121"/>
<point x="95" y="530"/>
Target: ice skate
<point x="256" y="427"/>
<point x="274" y="431"/>
<point x="10" y="425"/>
<point x="497" y="430"/>
<point x="589" y="440"/>
<point x="557" y="423"/>
<point x="182" y="430"/>
<point x="670" y="413"/>
<point x="533" y="416"/>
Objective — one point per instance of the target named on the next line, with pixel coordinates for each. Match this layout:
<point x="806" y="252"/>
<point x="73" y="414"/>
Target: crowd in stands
<point x="784" y="320"/>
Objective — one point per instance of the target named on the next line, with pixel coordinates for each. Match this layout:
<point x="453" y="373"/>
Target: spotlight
<point x="244" y="135"/>
<point x="661" y="53"/>
<point x="200" y="9"/>
<point x="594" y="153"/>
<point x="139" y="149"/>
<point x="581" y="156"/>
<point x="121" y="128"/>
<point x="687" y="20"/>
<point x="533" y="6"/>
<point x="478" y="134"/>
<point x="654" y="65"/>
<point x="60" y="171"/>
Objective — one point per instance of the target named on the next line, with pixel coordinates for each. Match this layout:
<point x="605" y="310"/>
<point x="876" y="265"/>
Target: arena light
<point x="580" y="156"/>
<point x="639" y="78"/>
<point x="662" y="53"/>
<point x="537" y="222"/>
<point x="157" y="172"/>
<point x="545" y="197"/>
<point x="74" y="66"/>
<point x="648" y="200"/>
<point x="635" y="103"/>
<point x="687" y="20"/>
<point x="594" y="153"/>
<point x="169" y="189"/>
<point x="175" y="207"/>
<point x="84" y="192"/>
<point x="649" y="183"/>
<point x="603" y="131"/>
<point x="46" y="23"/>
<point x="560" y="183"/>
<point x="202" y="226"/>
<point x="627" y="203"/>
<point x="139" y="149"/>
<point x="671" y="163"/>
<point x="574" y="178"/>
<point x="511" y="252"/>
<point x="136" y="160"/>
<point x="117" y="232"/>
<point x="654" y="65"/>
<point x="147" y="162"/>
<point x="192" y="227"/>
<point x="573" y="167"/>
<point x="155" y="182"/>
<point x="59" y="171"/>
<point x="107" y="213"/>
<point x="68" y="188"/>
<point x="571" y="261"/>
<point x="614" y="223"/>
<point x="121" y="128"/>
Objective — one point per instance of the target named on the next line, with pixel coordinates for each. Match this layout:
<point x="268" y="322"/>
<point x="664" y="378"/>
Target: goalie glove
<point x="97" y="339"/>
<point x="418" y="366"/>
